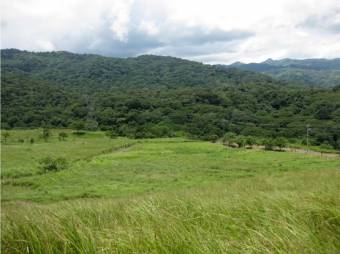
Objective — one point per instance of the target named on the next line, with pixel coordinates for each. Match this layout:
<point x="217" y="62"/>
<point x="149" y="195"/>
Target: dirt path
<point x="304" y="151"/>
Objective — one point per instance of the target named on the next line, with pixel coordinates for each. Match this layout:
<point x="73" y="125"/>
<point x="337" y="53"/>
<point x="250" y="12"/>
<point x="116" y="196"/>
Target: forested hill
<point x="98" y="71"/>
<point x="311" y="72"/>
<point x="152" y="96"/>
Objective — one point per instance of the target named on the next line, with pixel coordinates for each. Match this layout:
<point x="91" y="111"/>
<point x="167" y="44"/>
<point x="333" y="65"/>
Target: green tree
<point x="281" y="142"/>
<point x="5" y="136"/>
<point x="62" y="136"/>
<point x="46" y="133"/>
<point x="53" y="164"/>
<point x="229" y="138"/>
<point x="269" y="144"/>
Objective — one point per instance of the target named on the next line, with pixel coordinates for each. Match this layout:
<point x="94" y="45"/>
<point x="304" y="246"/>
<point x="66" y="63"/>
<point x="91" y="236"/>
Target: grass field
<point x="166" y="196"/>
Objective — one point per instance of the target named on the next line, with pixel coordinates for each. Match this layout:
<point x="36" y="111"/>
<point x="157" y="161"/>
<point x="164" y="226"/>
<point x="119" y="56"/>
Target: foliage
<point x="5" y="135"/>
<point x="48" y="164"/>
<point x="309" y="72"/>
<point x="46" y="133"/>
<point x="62" y="135"/>
<point x="269" y="144"/>
<point x="150" y="97"/>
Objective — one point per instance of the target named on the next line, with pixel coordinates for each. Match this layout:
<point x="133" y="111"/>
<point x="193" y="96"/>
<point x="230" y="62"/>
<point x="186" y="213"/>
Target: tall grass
<point x="294" y="212"/>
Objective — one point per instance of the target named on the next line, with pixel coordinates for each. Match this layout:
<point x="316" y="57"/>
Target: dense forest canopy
<point x="310" y="72"/>
<point x="154" y="96"/>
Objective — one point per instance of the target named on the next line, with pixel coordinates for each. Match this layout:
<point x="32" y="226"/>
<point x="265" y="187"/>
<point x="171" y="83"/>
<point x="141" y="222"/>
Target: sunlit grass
<point x="166" y="196"/>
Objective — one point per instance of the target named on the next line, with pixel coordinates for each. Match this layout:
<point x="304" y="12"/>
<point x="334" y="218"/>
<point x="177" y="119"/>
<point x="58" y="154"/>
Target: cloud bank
<point x="214" y="31"/>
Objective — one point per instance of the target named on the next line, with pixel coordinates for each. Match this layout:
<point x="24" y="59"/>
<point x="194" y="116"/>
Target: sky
<point x="212" y="31"/>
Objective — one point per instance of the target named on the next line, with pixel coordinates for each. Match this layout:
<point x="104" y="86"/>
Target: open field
<point x="166" y="196"/>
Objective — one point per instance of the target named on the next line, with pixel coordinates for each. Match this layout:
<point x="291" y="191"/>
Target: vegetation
<point x="150" y="97"/>
<point x="165" y="196"/>
<point x="5" y="136"/>
<point x="53" y="164"/>
<point x="310" y="72"/>
<point x="106" y="155"/>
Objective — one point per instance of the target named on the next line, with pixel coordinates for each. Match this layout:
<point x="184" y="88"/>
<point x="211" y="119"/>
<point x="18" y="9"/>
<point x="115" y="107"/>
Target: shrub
<point x="212" y="137"/>
<point x="5" y="136"/>
<point x="250" y="141"/>
<point x="229" y="138"/>
<point x="269" y="144"/>
<point x="32" y="140"/>
<point x="79" y="133"/>
<point x="326" y="145"/>
<point x="112" y="134"/>
<point x="280" y="142"/>
<point x="62" y="135"/>
<point x="48" y="164"/>
<point x="46" y="134"/>
<point x="240" y="140"/>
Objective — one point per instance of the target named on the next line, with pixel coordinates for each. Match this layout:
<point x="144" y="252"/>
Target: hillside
<point x="97" y="71"/>
<point x="311" y="72"/>
<point x="153" y="96"/>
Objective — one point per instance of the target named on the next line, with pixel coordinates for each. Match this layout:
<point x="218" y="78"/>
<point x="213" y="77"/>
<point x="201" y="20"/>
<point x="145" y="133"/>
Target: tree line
<point x="212" y="105"/>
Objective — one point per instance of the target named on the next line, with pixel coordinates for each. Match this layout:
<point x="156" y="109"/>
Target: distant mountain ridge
<point x="98" y="71"/>
<point x="311" y="72"/>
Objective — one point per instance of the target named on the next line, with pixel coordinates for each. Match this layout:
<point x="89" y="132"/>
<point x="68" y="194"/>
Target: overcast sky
<point x="212" y="31"/>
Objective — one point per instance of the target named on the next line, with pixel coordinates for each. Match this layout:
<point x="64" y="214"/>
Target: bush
<point x="49" y="164"/>
<point x="46" y="134"/>
<point x="112" y="134"/>
<point x="240" y="140"/>
<point x="5" y="136"/>
<point x="269" y="144"/>
<point x="281" y="143"/>
<point x="273" y="144"/>
<point x="79" y="133"/>
<point x="326" y="146"/>
<point x="62" y="135"/>
<point x="250" y="141"/>
<point x="229" y="138"/>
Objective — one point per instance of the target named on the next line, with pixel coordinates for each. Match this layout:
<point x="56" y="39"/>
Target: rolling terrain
<point x="309" y="72"/>
<point x="164" y="196"/>
<point x="158" y="97"/>
<point x="134" y="155"/>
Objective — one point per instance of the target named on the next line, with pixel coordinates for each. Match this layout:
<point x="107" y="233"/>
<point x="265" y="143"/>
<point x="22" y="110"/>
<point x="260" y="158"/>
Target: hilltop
<point x="99" y="71"/>
<point x="311" y="72"/>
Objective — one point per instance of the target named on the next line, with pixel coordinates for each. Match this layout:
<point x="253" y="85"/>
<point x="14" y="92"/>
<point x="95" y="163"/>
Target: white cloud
<point x="213" y="31"/>
<point x="149" y="27"/>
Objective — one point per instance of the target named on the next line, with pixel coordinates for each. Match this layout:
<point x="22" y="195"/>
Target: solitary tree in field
<point x="62" y="136"/>
<point x="46" y="134"/>
<point x="5" y="136"/>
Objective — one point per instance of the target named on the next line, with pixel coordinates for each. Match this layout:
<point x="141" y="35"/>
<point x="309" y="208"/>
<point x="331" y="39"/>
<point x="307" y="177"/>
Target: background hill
<point x="312" y="72"/>
<point x="98" y="71"/>
<point x="154" y="96"/>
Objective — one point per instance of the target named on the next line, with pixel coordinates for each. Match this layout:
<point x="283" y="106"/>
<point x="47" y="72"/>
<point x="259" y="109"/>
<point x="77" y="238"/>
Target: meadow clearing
<point x="170" y="195"/>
